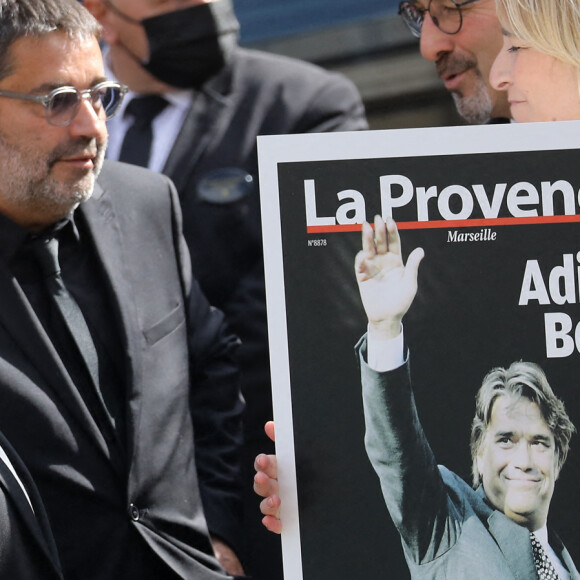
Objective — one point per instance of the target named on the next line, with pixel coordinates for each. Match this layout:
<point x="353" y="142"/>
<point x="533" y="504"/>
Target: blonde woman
<point x="539" y="62"/>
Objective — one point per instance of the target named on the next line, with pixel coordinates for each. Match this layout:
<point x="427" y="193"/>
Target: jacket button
<point x="134" y="512"/>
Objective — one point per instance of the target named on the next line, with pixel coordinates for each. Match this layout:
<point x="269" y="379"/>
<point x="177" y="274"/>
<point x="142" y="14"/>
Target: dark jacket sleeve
<point x="334" y="105"/>
<point x="216" y="405"/>
<point x="427" y="514"/>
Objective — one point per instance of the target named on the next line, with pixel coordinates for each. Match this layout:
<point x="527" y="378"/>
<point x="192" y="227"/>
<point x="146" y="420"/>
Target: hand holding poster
<point x="496" y="211"/>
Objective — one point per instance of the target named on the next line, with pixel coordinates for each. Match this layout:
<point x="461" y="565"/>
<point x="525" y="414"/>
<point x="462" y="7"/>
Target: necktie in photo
<point x="46" y="253"/>
<point x="136" y="148"/>
<point x="544" y="567"/>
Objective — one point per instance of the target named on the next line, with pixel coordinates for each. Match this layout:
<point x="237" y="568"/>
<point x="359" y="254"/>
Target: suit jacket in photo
<point x="129" y="504"/>
<point x="448" y="529"/>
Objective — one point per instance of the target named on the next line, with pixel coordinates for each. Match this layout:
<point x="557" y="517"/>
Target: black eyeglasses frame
<point x="415" y="24"/>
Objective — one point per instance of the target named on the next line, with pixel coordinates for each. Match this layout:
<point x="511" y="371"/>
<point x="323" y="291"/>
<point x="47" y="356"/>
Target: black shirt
<point x="85" y="279"/>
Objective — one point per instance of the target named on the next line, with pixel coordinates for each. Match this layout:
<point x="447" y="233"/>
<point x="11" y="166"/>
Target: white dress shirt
<point x="542" y="537"/>
<point x="166" y="126"/>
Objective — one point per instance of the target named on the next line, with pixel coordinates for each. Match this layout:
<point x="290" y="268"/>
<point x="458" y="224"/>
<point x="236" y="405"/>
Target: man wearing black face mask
<point x="218" y="98"/>
<point x="185" y="47"/>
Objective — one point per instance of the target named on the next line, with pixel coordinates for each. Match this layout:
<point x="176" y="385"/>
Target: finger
<point x="367" y="253"/>
<point x="368" y="242"/>
<point x="360" y="265"/>
<point x="269" y="428"/>
<point x="265" y="486"/>
<point x="272" y="524"/>
<point x="271" y="506"/>
<point x="412" y="266"/>
<point x="267" y="464"/>
<point x="380" y="235"/>
<point x="393" y="238"/>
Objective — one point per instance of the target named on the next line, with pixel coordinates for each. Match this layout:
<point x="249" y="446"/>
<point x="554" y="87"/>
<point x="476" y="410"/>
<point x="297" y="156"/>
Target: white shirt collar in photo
<point x="542" y="537"/>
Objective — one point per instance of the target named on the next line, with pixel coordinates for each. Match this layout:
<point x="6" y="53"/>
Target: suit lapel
<point x="109" y="241"/>
<point x="562" y="553"/>
<point x="514" y="542"/>
<point x="22" y="324"/>
<point x="206" y="120"/>
<point x="511" y="539"/>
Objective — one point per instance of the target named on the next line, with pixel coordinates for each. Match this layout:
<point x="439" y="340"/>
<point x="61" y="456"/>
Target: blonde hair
<point x="549" y="26"/>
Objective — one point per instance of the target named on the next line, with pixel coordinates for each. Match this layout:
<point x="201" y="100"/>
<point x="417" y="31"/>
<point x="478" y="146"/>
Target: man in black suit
<point x="219" y="98"/>
<point x="118" y="380"/>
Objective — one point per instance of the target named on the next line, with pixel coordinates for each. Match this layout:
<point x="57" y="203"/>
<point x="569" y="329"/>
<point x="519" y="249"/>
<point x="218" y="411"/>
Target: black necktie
<point x="136" y="148"/>
<point x="544" y="567"/>
<point x="46" y="252"/>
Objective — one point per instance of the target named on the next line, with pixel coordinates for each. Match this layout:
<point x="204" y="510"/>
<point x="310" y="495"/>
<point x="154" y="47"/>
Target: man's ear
<point x="100" y="11"/>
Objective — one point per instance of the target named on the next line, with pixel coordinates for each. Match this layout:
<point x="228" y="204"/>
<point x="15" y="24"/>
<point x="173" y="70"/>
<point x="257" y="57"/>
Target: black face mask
<point x="189" y="46"/>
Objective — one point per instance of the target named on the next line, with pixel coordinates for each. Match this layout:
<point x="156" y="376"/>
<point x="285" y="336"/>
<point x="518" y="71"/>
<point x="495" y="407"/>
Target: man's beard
<point x="476" y="108"/>
<point x="27" y="180"/>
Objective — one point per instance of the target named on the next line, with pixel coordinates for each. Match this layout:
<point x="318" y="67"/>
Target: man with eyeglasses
<point x="119" y="383"/>
<point x="462" y="39"/>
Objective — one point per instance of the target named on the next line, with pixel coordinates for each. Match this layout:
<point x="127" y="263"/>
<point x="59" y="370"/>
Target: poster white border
<point x="276" y="149"/>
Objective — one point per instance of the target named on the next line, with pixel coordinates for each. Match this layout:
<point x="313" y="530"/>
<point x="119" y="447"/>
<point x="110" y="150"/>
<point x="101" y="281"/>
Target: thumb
<point x="412" y="266"/>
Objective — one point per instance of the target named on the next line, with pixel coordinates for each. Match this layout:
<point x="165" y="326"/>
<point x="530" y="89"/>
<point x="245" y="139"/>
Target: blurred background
<point x="363" y="39"/>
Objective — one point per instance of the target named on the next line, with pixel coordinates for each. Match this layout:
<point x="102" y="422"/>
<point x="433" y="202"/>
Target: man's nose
<point x="434" y="43"/>
<point x="88" y="122"/>
<point x="522" y="456"/>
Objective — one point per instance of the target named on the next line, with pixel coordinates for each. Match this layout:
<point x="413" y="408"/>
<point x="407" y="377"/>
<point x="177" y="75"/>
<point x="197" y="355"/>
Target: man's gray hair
<point x="36" y="18"/>
<point x="521" y="379"/>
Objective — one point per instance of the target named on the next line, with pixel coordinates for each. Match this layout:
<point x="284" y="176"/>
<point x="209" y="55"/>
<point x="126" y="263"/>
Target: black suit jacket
<point x="448" y="530"/>
<point x="214" y="166"/>
<point x="130" y="506"/>
<point x="27" y="549"/>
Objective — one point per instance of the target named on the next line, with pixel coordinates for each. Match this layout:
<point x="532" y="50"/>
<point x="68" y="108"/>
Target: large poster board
<point x="496" y="209"/>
